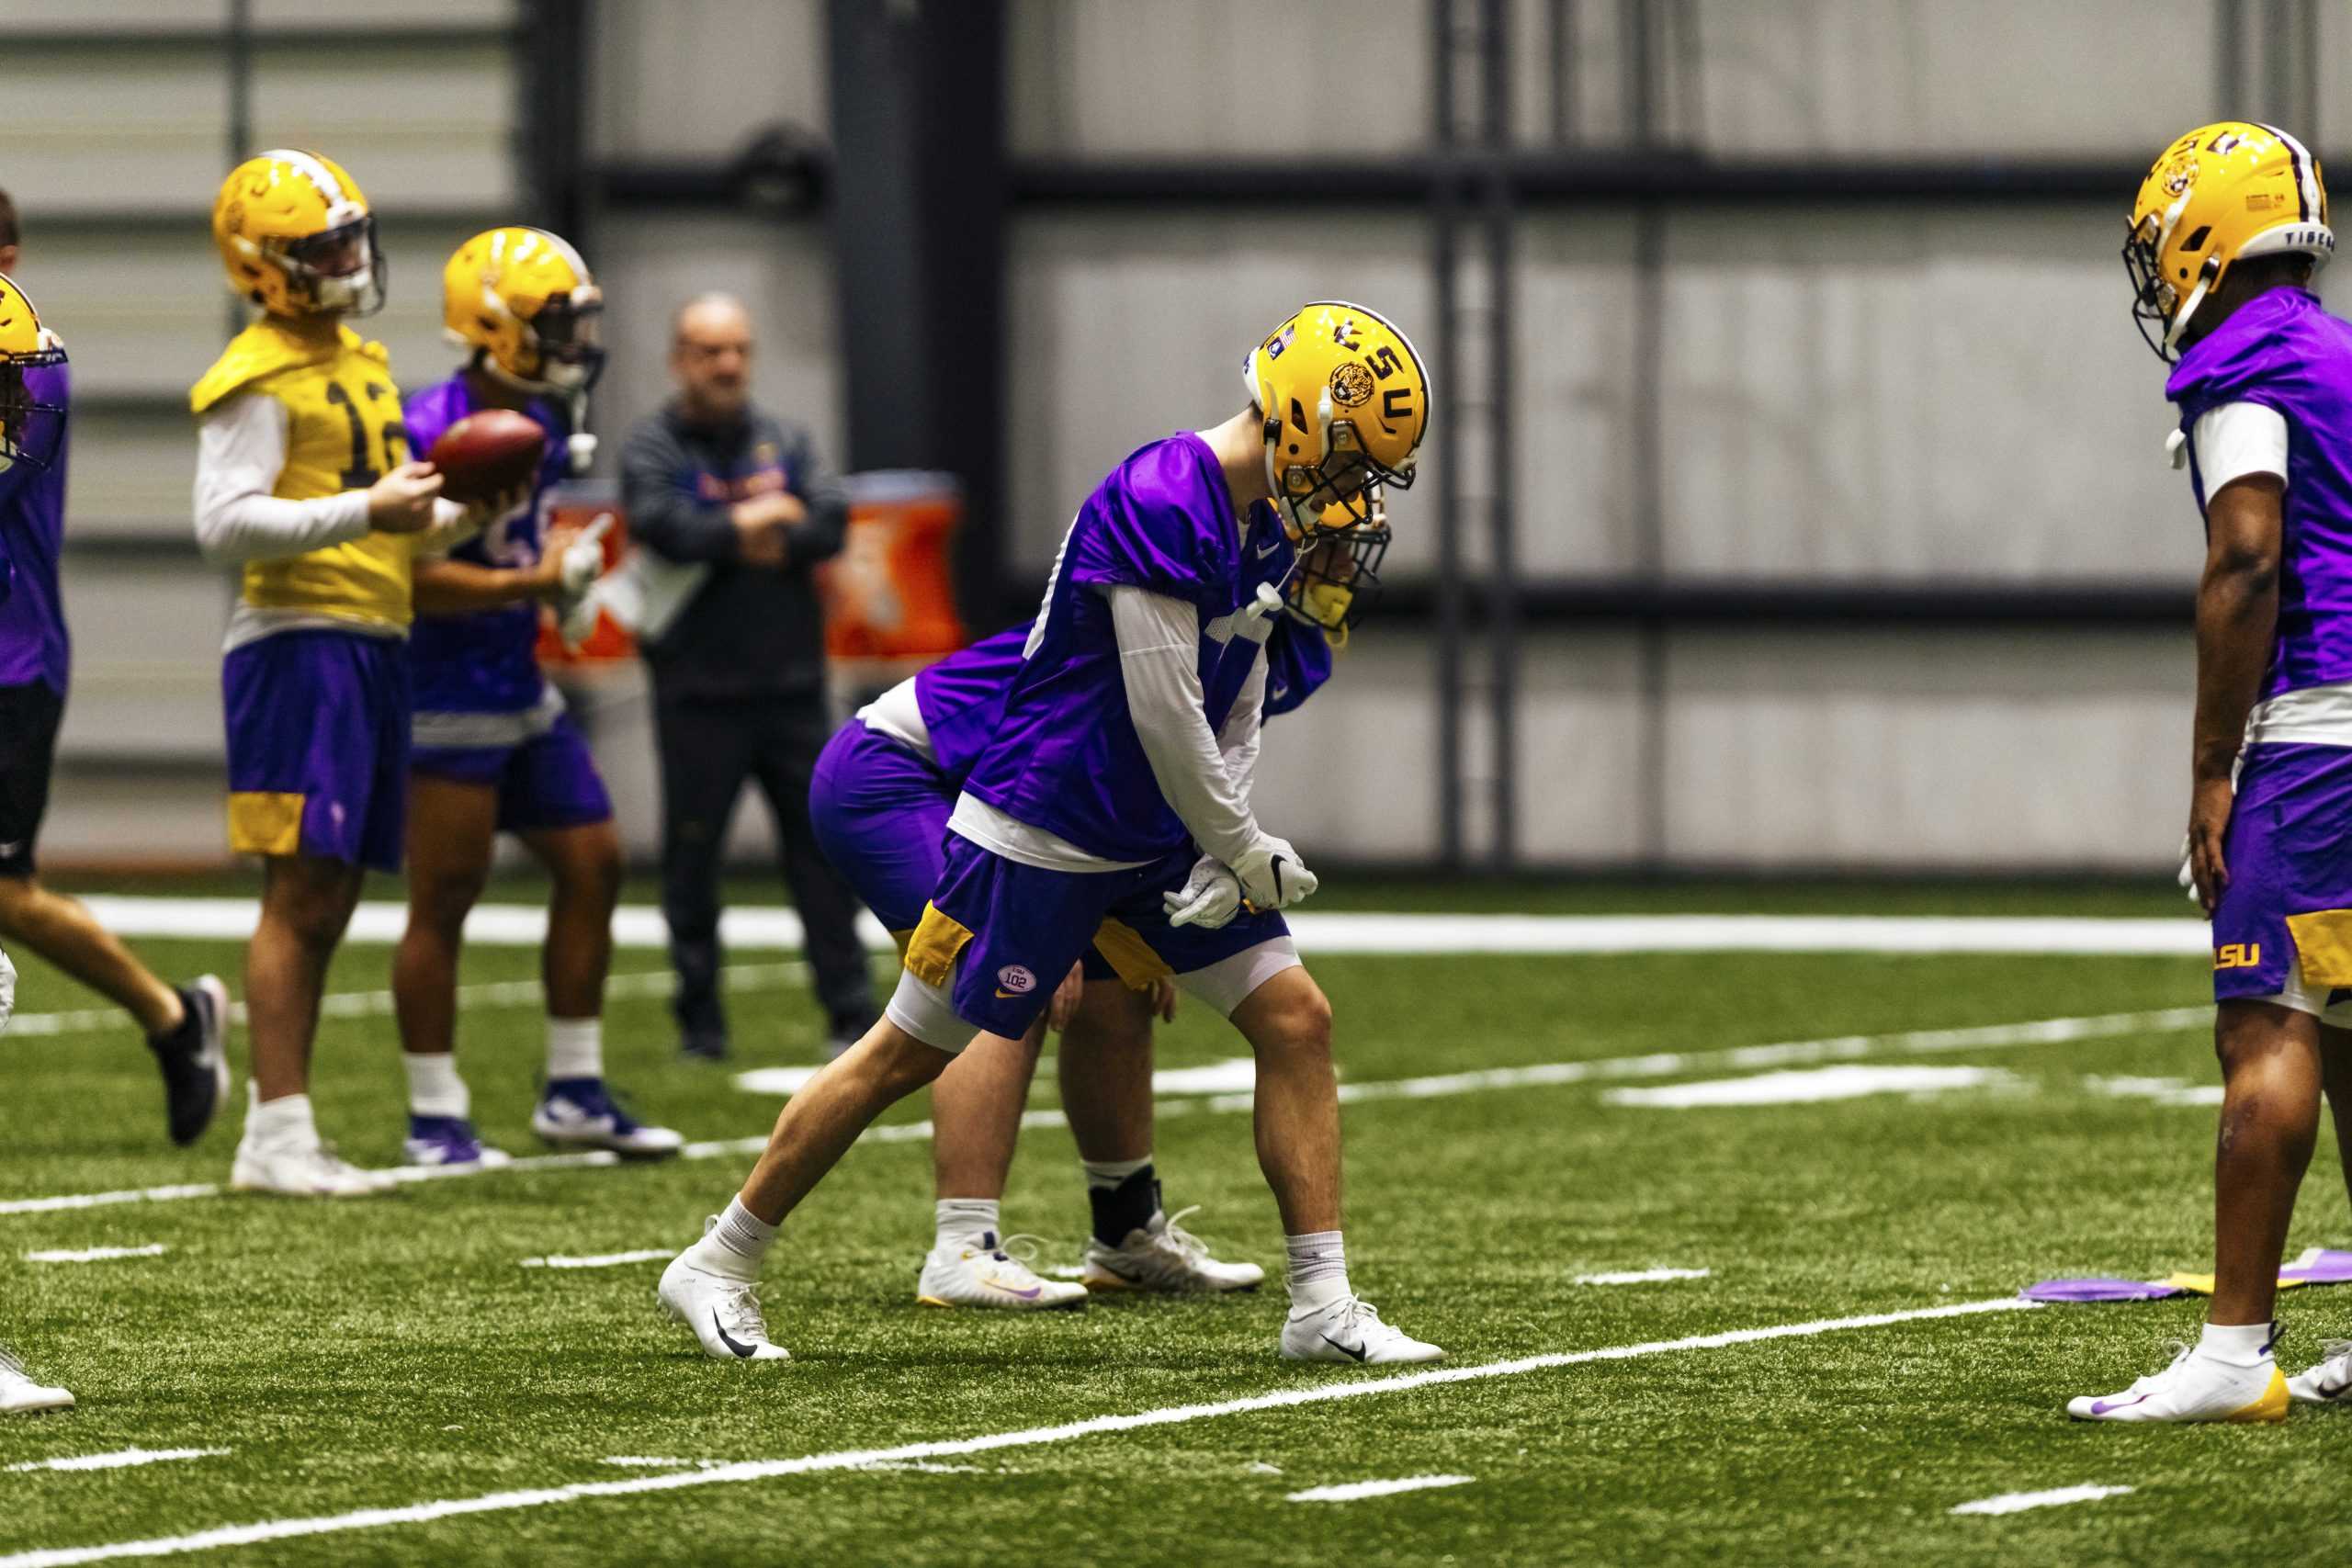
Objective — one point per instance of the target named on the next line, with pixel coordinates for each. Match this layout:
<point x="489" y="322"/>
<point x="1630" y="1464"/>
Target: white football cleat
<point x="302" y="1170"/>
<point x="580" y="1113"/>
<point x="19" y="1395"/>
<point x="987" y="1273"/>
<point x="723" y="1313"/>
<point x="1351" y="1330"/>
<point x="2330" y="1383"/>
<point x="2194" y="1388"/>
<point x="1165" y="1256"/>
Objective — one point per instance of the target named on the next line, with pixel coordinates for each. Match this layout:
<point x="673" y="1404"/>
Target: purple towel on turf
<point x="2100" y="1291"/>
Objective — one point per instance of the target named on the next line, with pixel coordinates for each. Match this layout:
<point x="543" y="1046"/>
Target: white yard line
<point x="122" y="1460"/>
<point x="2018" y="1502"/>
<point x="1354" y="1491"/>
<point x="631" y="987"/>
<point x="767" y="927"/>
<point x="604" y="1260"/>
<point x="1657" y="1064"/>
<point x="1033" y="1437"/>
<point x="1811" y="1086"/>
<point x="1641" y="1276"/>
<point x="99" y="1254"/>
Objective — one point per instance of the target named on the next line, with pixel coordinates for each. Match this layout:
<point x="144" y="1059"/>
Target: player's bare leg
<point x="306" y="903"/>
<point x="1105" y="1065"/>
<point x="975" y="1108"/>
<point x="2271" y="1070"/>
<point x="453" y="828"/>
<point x="2329" y="1381"/>
<point x="186" y="1028"/>
<point x="2270" y="1074"/>
<point x="1288" y="1021"/>
<point x="62" y="931"/>
<point x="709" y="1287"/>
<point x="576" y="1108"/>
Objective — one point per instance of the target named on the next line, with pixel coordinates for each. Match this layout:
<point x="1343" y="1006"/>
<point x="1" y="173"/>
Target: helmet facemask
<point x="1337" y="580"/>
<point x="2153" y="300"/>
<point x="30" y="431"/>
<point x="323" y="272"/>
<point x="568" y="333"/>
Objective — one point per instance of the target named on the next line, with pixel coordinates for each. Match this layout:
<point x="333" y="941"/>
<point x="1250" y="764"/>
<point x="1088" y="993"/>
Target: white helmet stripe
<point x="329" y="189"/>
<point x="2306" y="178"/>
<point x="562" y="247"/>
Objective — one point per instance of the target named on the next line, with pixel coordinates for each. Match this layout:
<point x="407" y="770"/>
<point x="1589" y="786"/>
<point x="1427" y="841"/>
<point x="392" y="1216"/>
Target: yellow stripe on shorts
<point x="931" y="951"/>
<point x="2324" y="942"/>
<point x="1139" y="964"/>
<point x="265" y="822"/>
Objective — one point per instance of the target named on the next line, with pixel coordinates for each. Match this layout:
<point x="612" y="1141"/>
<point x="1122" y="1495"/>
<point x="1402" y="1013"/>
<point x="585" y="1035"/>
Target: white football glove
<point x="1211" y="897"/>
<point x="576" y="603"/>
<point x="7" y="991"/>
<point x="1272" y="874"/>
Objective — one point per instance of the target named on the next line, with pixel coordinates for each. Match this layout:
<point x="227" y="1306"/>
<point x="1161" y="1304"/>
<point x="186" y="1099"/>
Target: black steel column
<point x="1502" y="565"/>
<point x="1445" y="208"/>
<point x="551" y="69"/>
<point x="919" y="242"/>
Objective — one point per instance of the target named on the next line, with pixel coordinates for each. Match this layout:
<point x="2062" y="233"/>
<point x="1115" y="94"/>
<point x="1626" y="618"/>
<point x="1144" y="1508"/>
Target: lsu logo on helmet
<point x="297" y="238"/>
<point x="29" y="428"/>
<point x="2222" y="194"/>
<point x="522" y="299"/>
<point x="1345" y="403"/>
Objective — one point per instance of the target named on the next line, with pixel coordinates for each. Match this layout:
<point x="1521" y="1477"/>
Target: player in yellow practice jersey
<point x="304" y="479"/>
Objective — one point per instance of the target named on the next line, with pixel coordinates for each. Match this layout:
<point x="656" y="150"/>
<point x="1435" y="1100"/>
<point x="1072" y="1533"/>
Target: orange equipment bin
<point x="889" y="601"/>
<point x="577" y="503"/>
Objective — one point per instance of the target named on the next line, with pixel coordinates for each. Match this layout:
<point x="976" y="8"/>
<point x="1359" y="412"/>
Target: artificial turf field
<point x="392" y="1353"/>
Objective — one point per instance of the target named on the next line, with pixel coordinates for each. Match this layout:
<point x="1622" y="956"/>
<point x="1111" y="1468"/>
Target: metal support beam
<point x="551" y="68"/>
<point x="918" y="128"/>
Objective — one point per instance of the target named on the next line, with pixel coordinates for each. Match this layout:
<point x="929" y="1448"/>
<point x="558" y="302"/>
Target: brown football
<point x="486" y="454"/>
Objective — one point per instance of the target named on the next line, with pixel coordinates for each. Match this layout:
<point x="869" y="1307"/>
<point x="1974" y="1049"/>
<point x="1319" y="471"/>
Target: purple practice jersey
<point x="485" y="661"/>
<point x="962" y="696"/>
<point x="1065" y="757"/>
<point x="2282" y="350"/>
<point x="33" y="642"/>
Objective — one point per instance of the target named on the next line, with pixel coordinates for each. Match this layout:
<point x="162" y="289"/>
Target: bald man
<point x="732" y="510"/>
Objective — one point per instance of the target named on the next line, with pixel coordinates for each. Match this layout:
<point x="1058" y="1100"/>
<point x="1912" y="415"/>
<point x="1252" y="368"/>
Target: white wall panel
<point x="153" y="138"/>
<point x="1125" y="329"/>
<point x="1200" y="77"/>
<point x="651" y="264"/>
<point x="1949" y="394"/>
<point x="426" y="125"/>
<point x="697" y="77"/>
<point x="1954" y="749"/>
<point x="147" y="312"/>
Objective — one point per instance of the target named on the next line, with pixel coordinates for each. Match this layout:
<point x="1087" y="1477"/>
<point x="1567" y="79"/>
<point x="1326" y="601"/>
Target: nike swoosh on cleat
<point x="1353" y="1352"/>
<point x="746" y="1351"/>
<point x="2101" y="1407"/>
<point x="2338" y="1392"/>
<point x="1031" y="1294"/>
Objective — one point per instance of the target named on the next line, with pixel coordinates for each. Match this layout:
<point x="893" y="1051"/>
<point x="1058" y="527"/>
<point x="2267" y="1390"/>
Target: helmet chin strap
<point x="2206" y="277"/>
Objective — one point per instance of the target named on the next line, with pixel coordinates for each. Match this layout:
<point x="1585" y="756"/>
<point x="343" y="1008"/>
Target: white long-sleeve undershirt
<point x="241" y="451"/>
<point x="1203" y="774"/>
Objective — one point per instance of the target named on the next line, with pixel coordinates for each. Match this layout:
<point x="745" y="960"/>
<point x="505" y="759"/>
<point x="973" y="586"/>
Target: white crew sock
<point x="1103" y="1174"/>
<point x="282" y="1123"/>
<point x="575" y="1048"/>
<point x="2236" y="1344"/>
<point x="434" y="1087"/>
<point x="1318" y="1270"/>
<point x="963" y="1221"/>
<point x="736" y="1245"/>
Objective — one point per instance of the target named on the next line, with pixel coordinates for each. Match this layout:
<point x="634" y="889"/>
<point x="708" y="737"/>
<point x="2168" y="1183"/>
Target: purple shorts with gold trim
<point x="318" y="746"/>
<point x="2283" y="928"/>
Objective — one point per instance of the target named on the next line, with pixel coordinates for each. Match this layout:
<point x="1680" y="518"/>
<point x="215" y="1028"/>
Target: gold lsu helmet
<point x="29" y="428"/>
<point x="524" y="301"/>
<point x="2222" y="194"/>
<point x="1345" y="403"/>
<point x="296" y="237"/>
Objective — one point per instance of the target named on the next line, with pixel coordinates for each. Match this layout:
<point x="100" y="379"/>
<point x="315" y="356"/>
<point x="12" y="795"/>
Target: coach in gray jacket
<point x="731" y="510"/>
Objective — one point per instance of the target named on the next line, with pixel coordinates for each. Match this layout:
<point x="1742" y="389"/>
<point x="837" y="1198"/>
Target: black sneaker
<point x="703" y="1048"/>
<point x="195" y="1059"/>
